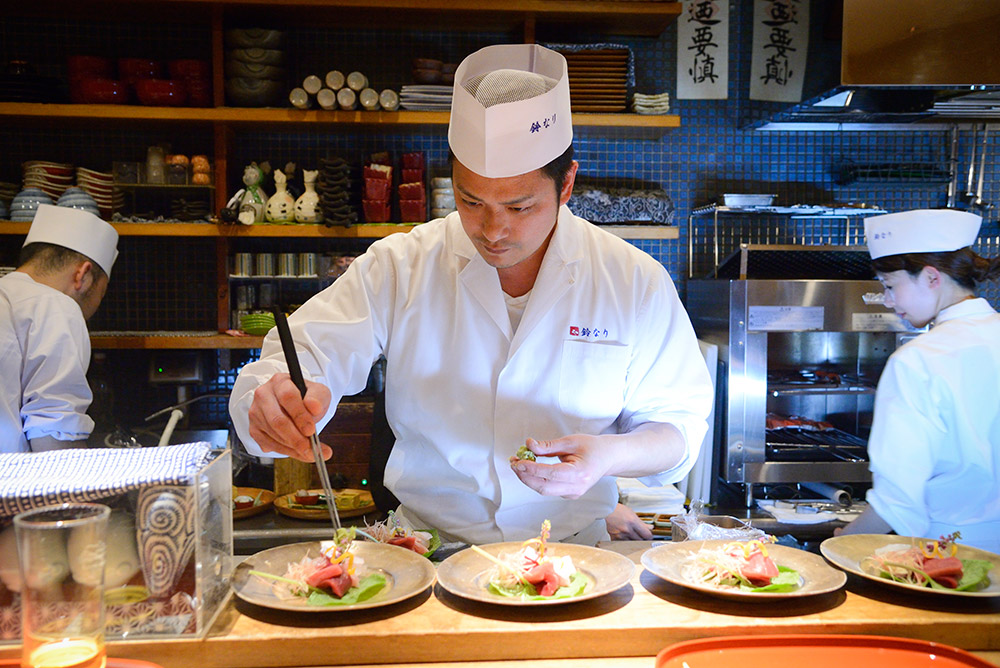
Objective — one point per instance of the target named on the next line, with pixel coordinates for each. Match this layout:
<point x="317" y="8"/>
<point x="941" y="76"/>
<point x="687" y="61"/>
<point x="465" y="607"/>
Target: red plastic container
<point x="376" y="211"/>
<point x="161" y="92"/>
<point x="413" y="210"/>
<point x="815" y="651"/>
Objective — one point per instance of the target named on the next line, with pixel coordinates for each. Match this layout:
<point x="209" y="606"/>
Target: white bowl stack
<point x="100" y="186"/>
<point x="52" y="178"/>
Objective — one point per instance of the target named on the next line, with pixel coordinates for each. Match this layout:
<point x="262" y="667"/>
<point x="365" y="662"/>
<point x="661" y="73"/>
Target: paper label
<point x="785" y="318"/>
<point x="879" y="322"/>
<point x="703" y="50"/>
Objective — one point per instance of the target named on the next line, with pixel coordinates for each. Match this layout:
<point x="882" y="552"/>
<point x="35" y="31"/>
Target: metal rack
<point x="800" y="224"/>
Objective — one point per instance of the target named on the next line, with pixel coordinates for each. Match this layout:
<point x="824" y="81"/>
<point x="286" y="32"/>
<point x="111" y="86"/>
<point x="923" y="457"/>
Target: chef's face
<point x="509" y="220"/>
<point x="910" y="296"/>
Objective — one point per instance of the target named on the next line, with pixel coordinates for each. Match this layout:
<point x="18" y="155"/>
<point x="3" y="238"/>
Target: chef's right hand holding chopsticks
<point x="282" y="420"/>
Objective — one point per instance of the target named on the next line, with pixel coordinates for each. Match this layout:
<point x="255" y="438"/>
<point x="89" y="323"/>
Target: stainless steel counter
<point x="269" y="529"/>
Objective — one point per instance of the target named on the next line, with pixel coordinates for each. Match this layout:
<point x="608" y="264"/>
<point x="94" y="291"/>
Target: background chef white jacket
<point x="604" y="345"/>
<point x="44" y="355"/>
<point x="935" y="439"/>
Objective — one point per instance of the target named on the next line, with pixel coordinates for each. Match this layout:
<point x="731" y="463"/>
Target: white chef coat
<point x="935" y="439"/>
<point x="604" y="345"/>
<point x="45" y="344"/>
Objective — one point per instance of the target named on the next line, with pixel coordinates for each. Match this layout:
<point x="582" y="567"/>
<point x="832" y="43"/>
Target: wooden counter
<point x="636" y="621"/>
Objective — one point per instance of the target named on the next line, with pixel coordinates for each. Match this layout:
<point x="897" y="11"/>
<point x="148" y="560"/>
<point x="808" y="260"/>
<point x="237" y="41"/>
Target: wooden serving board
<point x="285" y="505"/>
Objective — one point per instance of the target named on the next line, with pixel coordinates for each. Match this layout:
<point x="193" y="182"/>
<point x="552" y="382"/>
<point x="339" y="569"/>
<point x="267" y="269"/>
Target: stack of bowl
<point x="255" y="67"/>
<point x="7" y="192"/>
<point x="335" y="192"/>
<point x="52" y="178"/>
<point x="76" y="198"/>
<point x="25" y="203"/>
<point x="99" y="185"/>
<point x="257" y="323"/>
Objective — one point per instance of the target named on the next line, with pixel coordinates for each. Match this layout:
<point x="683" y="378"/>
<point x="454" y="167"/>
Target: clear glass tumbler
<point x="62" y="555"/>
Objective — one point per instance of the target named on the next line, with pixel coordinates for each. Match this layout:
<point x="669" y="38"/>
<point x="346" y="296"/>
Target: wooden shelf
<point x="180" y="342"/>
<point x="237" y="231"/>
<point x="363" y="231"/>
<point x="263" y="116"/>
<point x="607" y="16"/>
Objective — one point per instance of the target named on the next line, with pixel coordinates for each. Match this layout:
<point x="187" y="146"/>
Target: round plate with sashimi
<point x="744" y="570"/>
<point x="558" y="573"/>
<point x="907" y="562"/>
<point x="302" y="577"/>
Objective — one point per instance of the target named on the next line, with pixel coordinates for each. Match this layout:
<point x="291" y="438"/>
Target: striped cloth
<point x="30" y="480"/>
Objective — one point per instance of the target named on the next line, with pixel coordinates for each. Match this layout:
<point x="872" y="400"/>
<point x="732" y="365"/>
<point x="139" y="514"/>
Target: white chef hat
<point x="76" y="230"/>
<point x="921" y="231"/>
<point x="510" y="110"/>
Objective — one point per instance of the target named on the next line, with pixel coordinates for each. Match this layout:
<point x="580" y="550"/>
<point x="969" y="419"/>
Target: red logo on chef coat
<point x="574" y="330"/>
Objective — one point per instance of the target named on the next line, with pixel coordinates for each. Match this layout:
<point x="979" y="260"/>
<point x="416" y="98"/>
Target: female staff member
<point x="935" y="439"/>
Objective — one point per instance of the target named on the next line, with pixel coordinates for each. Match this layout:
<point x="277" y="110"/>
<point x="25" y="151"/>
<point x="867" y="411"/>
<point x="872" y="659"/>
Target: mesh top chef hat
<point x="510" y="110"/>
<point x="921" y="231"/>
<point x="76" y="230"/>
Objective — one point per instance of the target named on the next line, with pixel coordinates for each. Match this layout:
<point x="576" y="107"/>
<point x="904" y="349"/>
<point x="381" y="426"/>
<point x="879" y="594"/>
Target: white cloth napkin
<point x="666" y="499"/>
<point x="33" y="479"/>
<point x="789" y="516"/>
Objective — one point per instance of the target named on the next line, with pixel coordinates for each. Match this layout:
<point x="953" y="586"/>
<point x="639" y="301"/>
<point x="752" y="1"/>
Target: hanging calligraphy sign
<point x="780" y="46"/>
<point x="703" y="50"/>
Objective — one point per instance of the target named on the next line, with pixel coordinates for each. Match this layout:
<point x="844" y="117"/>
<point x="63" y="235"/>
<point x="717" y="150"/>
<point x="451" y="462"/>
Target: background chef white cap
<point x="76" y="230"/>
<point x="510" y="110"/>
<point x="921" y="231"/>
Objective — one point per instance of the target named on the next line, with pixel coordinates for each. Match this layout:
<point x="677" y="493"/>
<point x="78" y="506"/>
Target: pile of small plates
<point x="257" y="323"/>
<point x="651" y="104"/>
<point x="426" y="98"/>
<point x="52" y="178"/>
<point x="598" y="78"/>
<point x="100" y="186"/>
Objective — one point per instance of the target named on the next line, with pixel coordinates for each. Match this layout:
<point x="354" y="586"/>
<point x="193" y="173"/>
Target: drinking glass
<point x="61" y="554"/>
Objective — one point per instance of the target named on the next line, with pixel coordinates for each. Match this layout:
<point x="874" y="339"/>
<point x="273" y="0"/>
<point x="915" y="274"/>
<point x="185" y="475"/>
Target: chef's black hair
<point x="557" y="169"/>
<point x="964" y="265"/>
<point x="51" y="258"/>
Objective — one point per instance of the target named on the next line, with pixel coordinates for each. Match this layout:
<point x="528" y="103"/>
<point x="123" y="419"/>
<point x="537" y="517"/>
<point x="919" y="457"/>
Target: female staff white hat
<point x="510" y="110"/>
<point x="921" y="231"/>
<point x="76" y="230"/>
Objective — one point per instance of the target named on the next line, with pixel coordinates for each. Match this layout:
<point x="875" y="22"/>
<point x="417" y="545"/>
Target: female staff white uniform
<point x="591" y="352"/>
<point x="44" y="344"/>
<point x="935" y="439"/>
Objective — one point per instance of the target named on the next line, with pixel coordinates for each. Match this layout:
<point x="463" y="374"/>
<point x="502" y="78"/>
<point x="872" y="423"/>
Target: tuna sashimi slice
<point x="944" y="571"/>
<point x="759" y="570"/>
<point x="325" y="573"/>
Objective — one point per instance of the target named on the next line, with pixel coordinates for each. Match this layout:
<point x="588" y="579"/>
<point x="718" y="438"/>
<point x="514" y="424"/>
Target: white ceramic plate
<point x="466" y="573"/>
<point x="667" y="560"/>
<point x="847" y="552"/>
<point x="406" y="573"/>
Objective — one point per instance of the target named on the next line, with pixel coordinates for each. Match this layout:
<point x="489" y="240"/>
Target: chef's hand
<point x="624" y="524"/>
<point x="581" y="465"/>
<point x="282" y="420"/>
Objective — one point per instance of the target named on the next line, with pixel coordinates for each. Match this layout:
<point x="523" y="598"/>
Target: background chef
<point x="935" y="437"/>
<point x="511" y="321"/>
<point x="64" y="270"/>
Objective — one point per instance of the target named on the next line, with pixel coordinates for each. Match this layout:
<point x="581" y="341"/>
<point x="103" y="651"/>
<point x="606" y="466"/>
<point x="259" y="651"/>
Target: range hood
<point x="901" y="62"/>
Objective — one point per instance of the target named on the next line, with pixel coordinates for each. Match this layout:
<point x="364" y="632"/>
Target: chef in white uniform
<point x="64" y="270"/>
<point x="510" y="321"/>
<point x="935" y="438"/>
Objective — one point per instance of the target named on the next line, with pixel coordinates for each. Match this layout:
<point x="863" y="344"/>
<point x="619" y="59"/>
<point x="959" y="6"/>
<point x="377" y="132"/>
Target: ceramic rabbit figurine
<point x="307" y="208"/>
<point x="281" y="205"/>
<point x="252" y="204"/>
